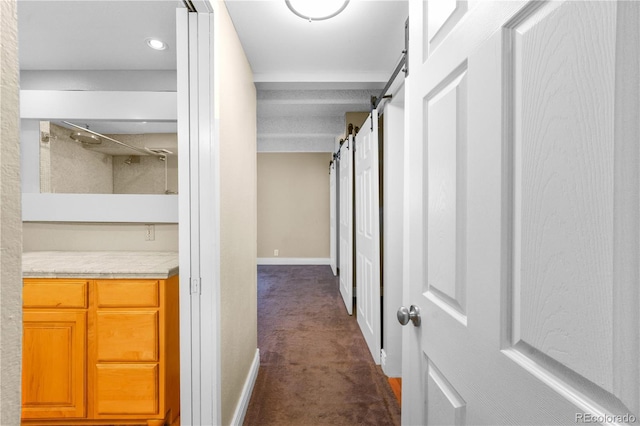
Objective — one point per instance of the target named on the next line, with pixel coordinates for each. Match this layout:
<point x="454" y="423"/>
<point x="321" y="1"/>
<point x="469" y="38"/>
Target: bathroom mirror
<point x="99" y="156"/>
<point x="108" y="157"/>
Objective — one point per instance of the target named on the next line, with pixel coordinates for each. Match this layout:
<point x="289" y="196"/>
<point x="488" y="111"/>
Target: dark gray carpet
<point x="315" y="367"/>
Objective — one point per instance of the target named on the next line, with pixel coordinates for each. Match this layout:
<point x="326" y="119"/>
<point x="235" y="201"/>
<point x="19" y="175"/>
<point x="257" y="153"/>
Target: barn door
<point x="368" y="234"/>
<point x="522" y="201"/>
<point x="346" y="223"/>
<point x="332" y="216"/>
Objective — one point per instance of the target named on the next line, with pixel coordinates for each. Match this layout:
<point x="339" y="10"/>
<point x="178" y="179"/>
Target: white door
<point x="346" y="223"/>
<point x="521" y="222"/>
<point x="332" y="216"/>
<point x="368" y="234"/>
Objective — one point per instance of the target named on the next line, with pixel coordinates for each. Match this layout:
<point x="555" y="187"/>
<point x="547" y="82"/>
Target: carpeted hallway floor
<point x="315" y="367"/>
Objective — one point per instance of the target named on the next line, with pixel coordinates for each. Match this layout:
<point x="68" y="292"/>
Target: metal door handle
<point x="413" y="314"/>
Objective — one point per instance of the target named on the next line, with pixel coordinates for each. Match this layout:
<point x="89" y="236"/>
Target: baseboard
<point x="294" y="261"/>
<point x="245" y="397"/>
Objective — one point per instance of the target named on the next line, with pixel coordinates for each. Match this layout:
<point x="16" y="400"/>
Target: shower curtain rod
<point x="145" y="151"/>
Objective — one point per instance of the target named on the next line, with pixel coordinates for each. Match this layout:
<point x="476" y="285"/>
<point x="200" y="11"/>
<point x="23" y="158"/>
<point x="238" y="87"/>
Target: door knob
<point x="413" y="314"/>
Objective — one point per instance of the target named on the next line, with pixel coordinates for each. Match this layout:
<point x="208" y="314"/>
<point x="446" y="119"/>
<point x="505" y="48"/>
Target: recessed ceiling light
<point x="316" y="10"/>
<point x="156" y="44"/>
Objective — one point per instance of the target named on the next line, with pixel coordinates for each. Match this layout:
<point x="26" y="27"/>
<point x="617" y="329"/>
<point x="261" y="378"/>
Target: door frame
<point x="333" y="222"/>
<point x="393" y="116"/>
<point x="346" y="212"/>
<point x="200" y="401"/>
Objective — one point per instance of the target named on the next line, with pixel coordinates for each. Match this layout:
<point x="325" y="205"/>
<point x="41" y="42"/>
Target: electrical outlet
<point x="150" y="233"/>
<point x="276" y="252"/>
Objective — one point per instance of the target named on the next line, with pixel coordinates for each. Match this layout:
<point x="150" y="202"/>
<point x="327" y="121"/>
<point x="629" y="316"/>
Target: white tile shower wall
<point x="76" y="170"/>
<point x="148" y="176"/>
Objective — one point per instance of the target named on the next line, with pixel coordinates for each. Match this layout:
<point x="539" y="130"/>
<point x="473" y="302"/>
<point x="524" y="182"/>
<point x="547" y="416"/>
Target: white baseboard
<point x="294" y="261"/>
<point x="245" y="397"/>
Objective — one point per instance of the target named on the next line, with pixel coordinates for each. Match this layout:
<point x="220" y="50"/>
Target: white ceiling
<point x="96" y="34"/>
<point x="360" y="45"/>
<point x="312" y="69"/>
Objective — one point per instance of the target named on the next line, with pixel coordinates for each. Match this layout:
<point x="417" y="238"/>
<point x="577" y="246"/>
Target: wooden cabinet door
<point x="53" y="364"/>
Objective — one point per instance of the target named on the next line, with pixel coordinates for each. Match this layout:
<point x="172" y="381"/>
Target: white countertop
<point x="99" y="264"/>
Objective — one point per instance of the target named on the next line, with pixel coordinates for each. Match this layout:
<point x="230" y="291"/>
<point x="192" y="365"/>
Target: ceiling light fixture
<point x="316" y="10"/>
<point x="156" y="44"/>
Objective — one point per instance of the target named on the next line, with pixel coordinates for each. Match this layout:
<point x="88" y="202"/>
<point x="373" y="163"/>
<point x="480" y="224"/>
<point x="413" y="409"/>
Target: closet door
<point x="368" y="234"/>
<point x="346" y="223"/>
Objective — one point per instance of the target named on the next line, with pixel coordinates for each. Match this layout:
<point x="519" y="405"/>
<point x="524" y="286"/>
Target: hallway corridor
<point x="315" y="367"/>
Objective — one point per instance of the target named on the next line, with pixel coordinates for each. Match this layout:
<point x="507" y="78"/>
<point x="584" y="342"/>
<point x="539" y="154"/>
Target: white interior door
<point x="521" y="221"/>
<point x="346" y="223"/>
<point x="368" y="234"/>
<point x="332" y="217"/>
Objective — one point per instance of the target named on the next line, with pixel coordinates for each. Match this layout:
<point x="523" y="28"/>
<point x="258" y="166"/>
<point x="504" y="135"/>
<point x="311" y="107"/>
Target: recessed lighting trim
<point x="316" y="10"/>
<point x="156" y="44"/>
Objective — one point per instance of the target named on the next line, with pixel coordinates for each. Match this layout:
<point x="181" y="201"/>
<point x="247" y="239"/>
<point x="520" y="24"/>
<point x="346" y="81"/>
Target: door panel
<point x="564" y="191"/>
<point x="441" y="17"/>
<point x="522" y="231"/>
<point x="446" y="150"/>
<point x="368" y="234"/>
<point x="446" y="406"/>
<point x="346" y="223"/>
<point x="567" y="189"/>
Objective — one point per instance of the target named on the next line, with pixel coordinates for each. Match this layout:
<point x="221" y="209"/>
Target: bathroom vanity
<point x="100" y="338"/>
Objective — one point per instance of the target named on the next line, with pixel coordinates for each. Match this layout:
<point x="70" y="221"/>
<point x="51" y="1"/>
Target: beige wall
<point x="10" y="221"/>
<point x="293" y="205"/>
<point x="98" y="236"/>
<point x="236" y="110"/>
<point x="355" y="118"/>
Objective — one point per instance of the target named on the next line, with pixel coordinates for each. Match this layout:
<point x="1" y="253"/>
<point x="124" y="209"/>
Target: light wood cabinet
<point x="100" y="351"/>
<point x="53" y="366"/>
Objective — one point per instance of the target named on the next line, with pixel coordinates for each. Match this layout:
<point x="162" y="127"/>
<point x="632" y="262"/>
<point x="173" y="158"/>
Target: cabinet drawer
<point x="127" y="389"/>
<point x="127" y="336"/>
<point x="54" y="293"/>
<point x="127" y="293"/>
